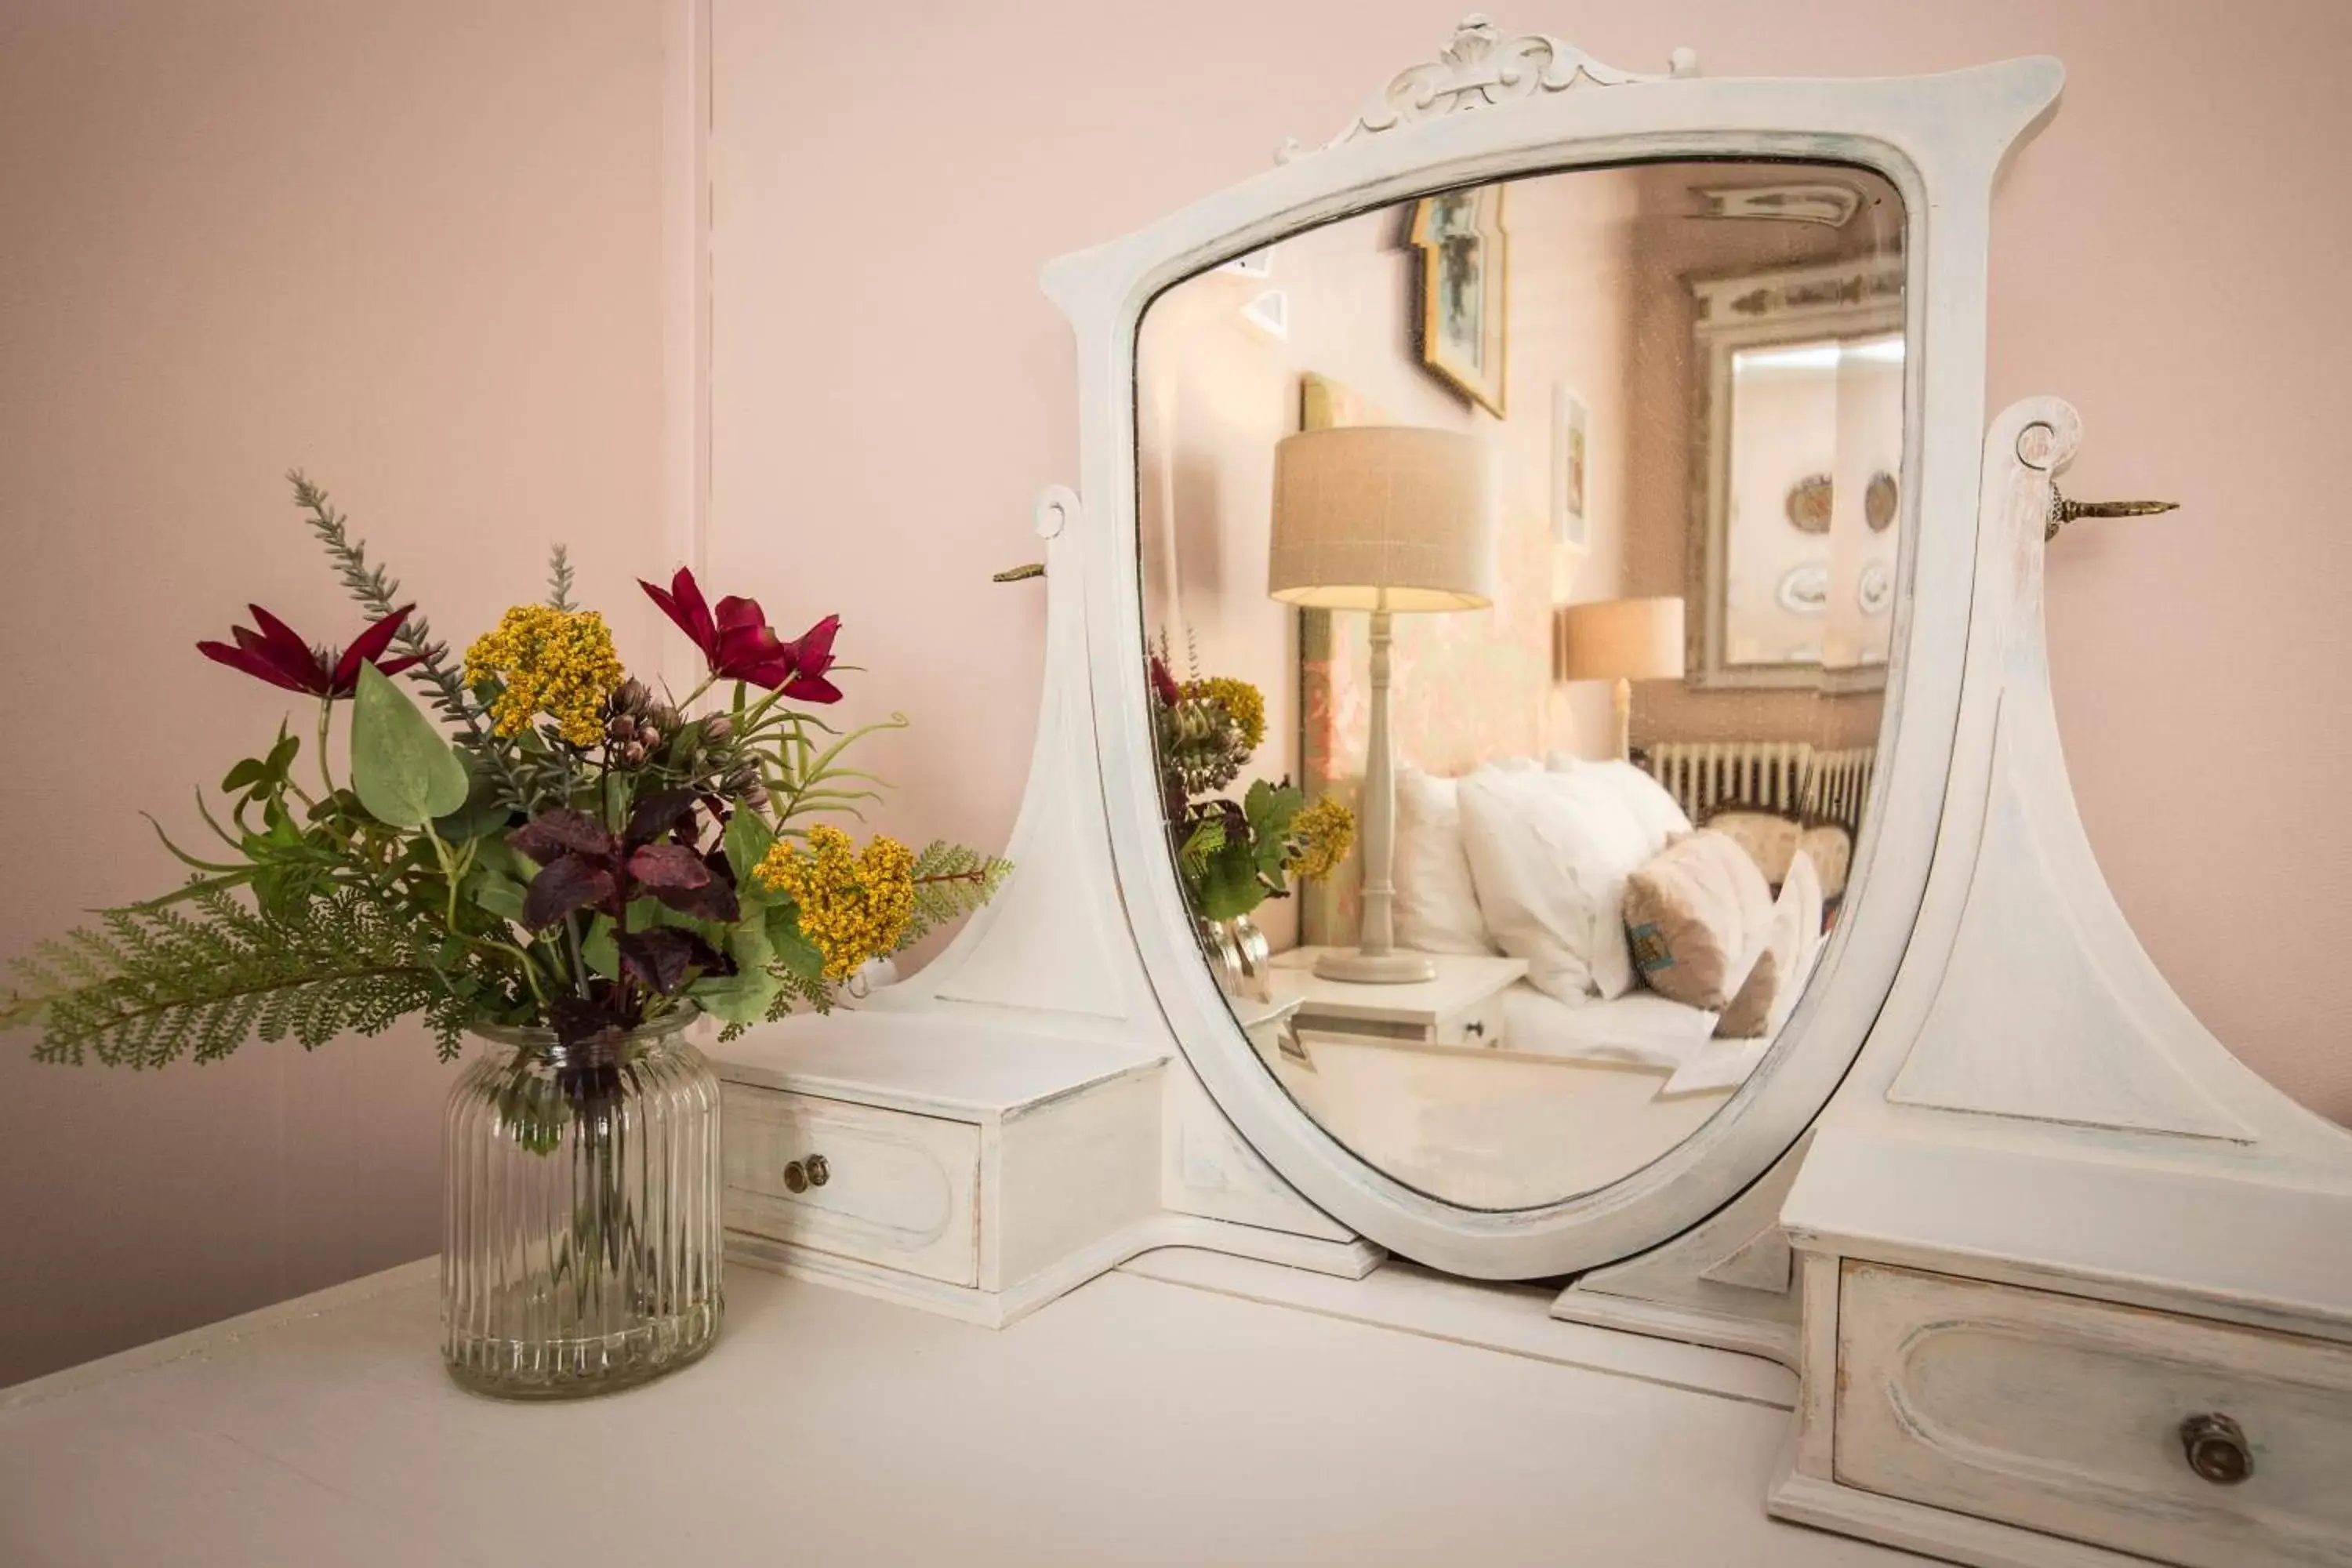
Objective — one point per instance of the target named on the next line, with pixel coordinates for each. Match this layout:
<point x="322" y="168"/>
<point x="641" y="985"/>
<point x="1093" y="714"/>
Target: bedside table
<point x="1462" y="1008"/>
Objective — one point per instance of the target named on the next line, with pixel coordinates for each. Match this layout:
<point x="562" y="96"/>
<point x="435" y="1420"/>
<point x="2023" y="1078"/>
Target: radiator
<point x="1789" y="776"/>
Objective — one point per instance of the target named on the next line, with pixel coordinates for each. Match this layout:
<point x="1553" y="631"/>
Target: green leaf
<point x="484" y="812"/>
<point x="749" y="838"/>
<point x="744" y="996"/>
<point x="259" y="778"/>
<point x="497" y="854"/>
<point x="1230" y="885"/>
<point x="405" y="774"/>
<point x="497" y="892"/>
<point x="1270" y="809"/>
<point x="600" y="949"/>
<point x="798" y="955"/>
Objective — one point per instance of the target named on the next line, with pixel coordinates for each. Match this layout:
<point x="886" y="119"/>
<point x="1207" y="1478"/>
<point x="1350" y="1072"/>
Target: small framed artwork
<point x="1570" y="524"/>
<point x="1462" y="318"/>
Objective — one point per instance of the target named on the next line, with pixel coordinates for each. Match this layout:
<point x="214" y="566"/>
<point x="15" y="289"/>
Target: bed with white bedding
<point x="1595" y="1069"/>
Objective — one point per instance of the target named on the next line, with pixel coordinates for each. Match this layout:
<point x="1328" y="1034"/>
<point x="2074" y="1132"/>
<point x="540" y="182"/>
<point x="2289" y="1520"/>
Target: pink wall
<point x="2166" y="256"/>
<point x="418" y="248"/>
<point x="414" y="248"/>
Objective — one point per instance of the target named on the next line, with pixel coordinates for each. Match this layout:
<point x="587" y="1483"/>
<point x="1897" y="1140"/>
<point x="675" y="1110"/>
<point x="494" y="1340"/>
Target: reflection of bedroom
<point x="1629" y="780"/>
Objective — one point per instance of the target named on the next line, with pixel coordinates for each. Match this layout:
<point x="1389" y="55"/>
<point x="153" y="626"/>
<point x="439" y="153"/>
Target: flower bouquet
<point x="1233" y="855"/>
<point x="559" y="859"/>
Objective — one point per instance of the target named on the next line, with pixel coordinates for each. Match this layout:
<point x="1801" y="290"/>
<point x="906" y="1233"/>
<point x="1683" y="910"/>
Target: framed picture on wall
<point x="1462" y="318"/>
<point x="1570" y="524"/>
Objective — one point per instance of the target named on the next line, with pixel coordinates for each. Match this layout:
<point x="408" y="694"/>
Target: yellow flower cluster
<point x="1319" y="838"/>
<point x="854" y="907"/>
<point x="1241" y="700"/>
<point x="556" y="662"/>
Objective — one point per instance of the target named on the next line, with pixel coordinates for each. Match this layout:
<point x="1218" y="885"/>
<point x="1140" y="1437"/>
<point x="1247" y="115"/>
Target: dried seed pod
<point x="718" y="726"/>
<point x="633" y="696"/>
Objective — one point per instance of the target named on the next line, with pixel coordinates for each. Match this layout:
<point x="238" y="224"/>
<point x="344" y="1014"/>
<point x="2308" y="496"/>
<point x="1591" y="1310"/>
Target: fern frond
<point x="150" y="985"/>
<point x="951" y="880"/>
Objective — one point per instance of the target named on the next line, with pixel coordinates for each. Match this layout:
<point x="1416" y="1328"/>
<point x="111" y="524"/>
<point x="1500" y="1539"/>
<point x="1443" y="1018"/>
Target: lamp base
<point x="1359" y="968"/>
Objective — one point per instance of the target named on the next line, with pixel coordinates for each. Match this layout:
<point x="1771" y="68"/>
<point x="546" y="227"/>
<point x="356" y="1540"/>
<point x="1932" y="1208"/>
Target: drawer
<point x="2067" y="1416"/>
<point x="1479" y="1025"/>
<point x="900" y="1190"/>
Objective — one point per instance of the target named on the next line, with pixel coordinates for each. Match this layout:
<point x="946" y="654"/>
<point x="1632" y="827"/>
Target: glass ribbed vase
<point x="581" y="1229"/>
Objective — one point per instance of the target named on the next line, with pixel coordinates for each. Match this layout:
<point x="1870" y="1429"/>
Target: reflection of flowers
<point x="546" y="661"/>
<point x="1233" y="855"/>
<point x="854" y="907"/>
<point x="1320" y="836"/>
<point x="1242" y="702"/>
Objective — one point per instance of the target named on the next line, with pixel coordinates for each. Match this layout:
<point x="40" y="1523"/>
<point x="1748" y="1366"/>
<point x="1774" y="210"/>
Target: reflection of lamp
<point x="1385" y="519"/>
<point x="1623" y="640"/>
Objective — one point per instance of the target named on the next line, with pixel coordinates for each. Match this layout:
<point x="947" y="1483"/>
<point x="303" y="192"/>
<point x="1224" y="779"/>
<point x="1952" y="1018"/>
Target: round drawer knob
<point x="2216" y="1449"/>
<point x="796" y="1177"/>
<point x="819" y="1173"/>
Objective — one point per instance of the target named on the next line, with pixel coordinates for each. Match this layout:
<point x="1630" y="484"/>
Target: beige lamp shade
<point x="1383" y="517"/>
<point x="1622" y="640"/>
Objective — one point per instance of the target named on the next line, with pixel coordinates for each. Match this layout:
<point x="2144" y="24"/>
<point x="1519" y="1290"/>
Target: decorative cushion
<point x="1660" y="816"/>
<point x="1769" y="839"/>
<point x="1695" y="915"/>
<point x="1549" y="854"/>
<point x="1831" y="849"/>
<point x="1778" y="976"/>
<point x="1437" y="905"/>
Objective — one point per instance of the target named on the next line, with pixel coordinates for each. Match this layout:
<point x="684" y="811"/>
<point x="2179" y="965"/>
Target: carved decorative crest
<point x="1482" y="69"/>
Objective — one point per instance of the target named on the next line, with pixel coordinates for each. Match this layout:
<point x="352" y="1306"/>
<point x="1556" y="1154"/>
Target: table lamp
<point x="1623" y="640"/>
<point x="1393" y="520"/>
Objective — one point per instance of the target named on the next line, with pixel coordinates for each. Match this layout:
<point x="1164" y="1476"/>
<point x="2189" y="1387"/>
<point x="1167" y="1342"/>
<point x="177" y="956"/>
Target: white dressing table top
<point x="1133" y="1421"/>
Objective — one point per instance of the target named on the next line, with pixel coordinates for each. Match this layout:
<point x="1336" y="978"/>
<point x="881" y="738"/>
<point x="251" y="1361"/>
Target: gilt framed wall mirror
<point x="1521" y="892"/>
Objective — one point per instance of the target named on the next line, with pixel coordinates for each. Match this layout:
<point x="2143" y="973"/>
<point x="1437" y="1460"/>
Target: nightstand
<point x="1462" y="1008"/>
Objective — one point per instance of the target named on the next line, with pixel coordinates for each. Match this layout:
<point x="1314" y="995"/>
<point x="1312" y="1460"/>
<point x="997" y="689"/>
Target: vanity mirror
<point x="1361" y="605"/>
<point x="1591" y="456"/>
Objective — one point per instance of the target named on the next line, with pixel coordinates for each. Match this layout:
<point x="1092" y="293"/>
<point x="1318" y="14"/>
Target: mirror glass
<point x="1519" y="565"/>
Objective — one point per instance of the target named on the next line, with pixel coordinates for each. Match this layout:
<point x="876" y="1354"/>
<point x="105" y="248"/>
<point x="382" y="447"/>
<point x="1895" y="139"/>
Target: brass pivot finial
<point x="2064" y="511"/>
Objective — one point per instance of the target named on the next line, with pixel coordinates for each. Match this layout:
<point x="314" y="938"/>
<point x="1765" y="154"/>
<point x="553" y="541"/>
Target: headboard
<point x="1790" y="776"/>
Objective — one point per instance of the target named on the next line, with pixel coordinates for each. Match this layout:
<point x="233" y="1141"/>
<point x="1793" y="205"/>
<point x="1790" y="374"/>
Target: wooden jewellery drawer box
<point x="964" y="1170"/>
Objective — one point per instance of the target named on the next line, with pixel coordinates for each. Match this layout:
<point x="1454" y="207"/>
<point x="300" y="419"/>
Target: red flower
<point x="278" y="654"/>
<point x="738" y="644"/>
<point x="1163" y="685"/>
<point x="811" y="657"/>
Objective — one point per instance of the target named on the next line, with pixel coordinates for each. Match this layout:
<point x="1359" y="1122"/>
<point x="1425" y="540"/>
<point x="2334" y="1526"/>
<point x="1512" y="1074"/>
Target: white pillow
<point x="1661" y="816"/>
<point x="1436" y="906"/>
<point x="1549" y="854"/>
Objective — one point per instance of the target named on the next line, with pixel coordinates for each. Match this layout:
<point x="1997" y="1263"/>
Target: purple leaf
<point x="666" y="867"/>
<point x="654" y="815"/>
<point x="563" y="884"/>
<point x="552" y="835"/>
<point x="661" y="957"/>
<point x="713" y="900"/>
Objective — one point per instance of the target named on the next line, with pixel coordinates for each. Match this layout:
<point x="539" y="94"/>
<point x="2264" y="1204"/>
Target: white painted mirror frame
<point x="1940" y="140"/>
